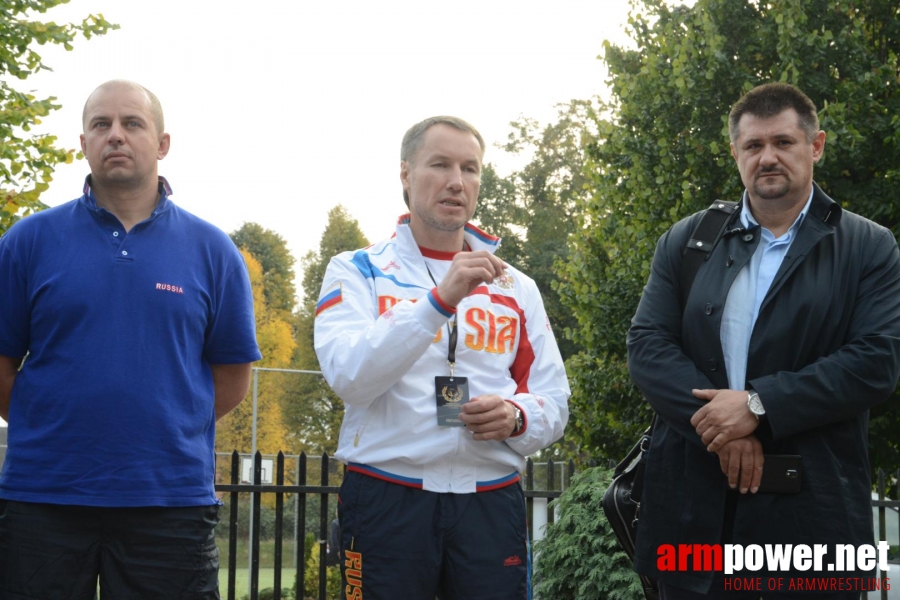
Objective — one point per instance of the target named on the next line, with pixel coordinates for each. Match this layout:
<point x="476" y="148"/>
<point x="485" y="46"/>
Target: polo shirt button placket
<point x="117" y="239"/>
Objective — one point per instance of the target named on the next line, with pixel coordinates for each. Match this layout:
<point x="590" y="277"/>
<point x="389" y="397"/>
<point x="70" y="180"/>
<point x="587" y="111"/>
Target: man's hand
<point x="489" y="417"/>
<point x="467" y="271"/>
<point x="742" y="462"/>
<point x="231" y="383"/>
<point x="725" y="417"/>
<point x="9" y="367"/>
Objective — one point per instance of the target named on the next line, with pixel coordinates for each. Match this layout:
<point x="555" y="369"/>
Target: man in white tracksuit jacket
<point x="408" y="329"/>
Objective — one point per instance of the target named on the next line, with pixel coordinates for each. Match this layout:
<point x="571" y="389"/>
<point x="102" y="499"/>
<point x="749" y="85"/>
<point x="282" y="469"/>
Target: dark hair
<point x="770" y="99"/>
<point x="412" y="140"/>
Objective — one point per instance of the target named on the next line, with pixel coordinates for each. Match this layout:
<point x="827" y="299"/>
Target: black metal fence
<point x="549" y="478"/>
<point x="882" y="504"/>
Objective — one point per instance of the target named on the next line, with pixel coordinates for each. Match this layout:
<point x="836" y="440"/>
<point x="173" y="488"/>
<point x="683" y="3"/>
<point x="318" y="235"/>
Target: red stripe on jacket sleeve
<point x="521" y="366"/>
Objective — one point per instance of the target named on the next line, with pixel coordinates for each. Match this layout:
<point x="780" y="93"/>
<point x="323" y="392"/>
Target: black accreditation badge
<point x="451" y="393"/>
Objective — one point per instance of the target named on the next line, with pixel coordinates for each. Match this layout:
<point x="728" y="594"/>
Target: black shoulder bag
<point x="622" y="500"/>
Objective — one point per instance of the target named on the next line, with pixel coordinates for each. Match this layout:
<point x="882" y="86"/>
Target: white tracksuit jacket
<point x="381" y="337"/>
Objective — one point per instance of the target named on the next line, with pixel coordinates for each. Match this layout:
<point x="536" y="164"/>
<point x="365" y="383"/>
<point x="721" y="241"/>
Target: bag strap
<point x="698" y="249"/>
<point x="701" y="244"/>
<point x="640" y="452"/>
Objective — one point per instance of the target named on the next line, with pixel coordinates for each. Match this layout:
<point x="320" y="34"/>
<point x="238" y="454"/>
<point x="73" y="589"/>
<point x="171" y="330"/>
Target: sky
<point x="280" y="110"/>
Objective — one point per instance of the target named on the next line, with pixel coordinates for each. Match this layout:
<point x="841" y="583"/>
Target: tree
<point x="271" y="251"/>
<point x="530" y="209"/>
<point x="270" y="265"/>
<point x="501" y="213"/>
<point x="551" y="184"/>
<point x="313" y="412"/>
<point x="662" y="152"/>
<point x="274" y="336"/>
<point x="27" y="160"/>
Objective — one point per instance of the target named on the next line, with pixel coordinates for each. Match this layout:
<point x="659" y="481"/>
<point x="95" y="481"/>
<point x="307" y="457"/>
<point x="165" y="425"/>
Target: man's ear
<point x="818" y="146"/>
<point x="404" y="174"/>
<point x="164" y="142"/>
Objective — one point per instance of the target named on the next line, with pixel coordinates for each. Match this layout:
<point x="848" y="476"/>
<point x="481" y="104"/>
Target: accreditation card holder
<point x="450" y="393"/>
<point x="781" y="474"/>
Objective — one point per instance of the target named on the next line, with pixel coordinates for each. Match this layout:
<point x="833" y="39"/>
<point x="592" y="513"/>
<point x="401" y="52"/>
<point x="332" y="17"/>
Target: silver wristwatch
<point x="520" y="420"/>
<point x="755" y="404"/>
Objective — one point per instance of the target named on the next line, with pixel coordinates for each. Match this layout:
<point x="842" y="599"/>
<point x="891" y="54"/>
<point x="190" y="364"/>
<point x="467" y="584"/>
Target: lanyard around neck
<point x="451" y="330"/>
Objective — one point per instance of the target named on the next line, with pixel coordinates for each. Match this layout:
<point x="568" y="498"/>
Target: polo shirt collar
<point x="163" y="187"/>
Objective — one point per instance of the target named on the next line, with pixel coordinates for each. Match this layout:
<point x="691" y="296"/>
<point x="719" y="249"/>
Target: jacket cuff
<point x="438" y="303"/>
<point x="764" y="431"/>
<point x="524" y="419"/>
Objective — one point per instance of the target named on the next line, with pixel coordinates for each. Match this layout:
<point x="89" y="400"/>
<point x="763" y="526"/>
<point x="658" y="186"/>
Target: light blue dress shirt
<point x="748" y="292"/>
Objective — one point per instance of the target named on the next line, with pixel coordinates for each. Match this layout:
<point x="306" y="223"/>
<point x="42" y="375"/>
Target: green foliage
<point x="27" y="160"/>
<point x="341" y="234"/>
<point x="312" y="411"/>
<point x="530" y="209"/>
<point x="661" y="152"/>
<point x="276" y="343"/>
<point x="580" y="558"/>
<point x="271" y="251"/>
<point x="265" y="528"/>
<point x="501" y="213"/>
<point x="269" y="594"/>
<point x="311" y="577"/>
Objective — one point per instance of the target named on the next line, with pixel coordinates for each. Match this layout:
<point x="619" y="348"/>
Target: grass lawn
<point x="242" y="580"/>
<point x="266" y="566"/>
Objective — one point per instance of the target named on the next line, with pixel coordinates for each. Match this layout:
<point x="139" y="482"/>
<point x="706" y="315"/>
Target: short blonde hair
<point x="412" y="140"/>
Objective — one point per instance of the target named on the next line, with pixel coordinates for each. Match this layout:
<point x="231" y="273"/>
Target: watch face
<point x="755" y="405"/>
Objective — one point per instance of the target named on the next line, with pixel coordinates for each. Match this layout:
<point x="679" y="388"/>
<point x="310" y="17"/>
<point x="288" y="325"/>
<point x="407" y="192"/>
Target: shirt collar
<point x="163" y="187"/>
<point x="474" y="238"/>
<point x="748" y="221"/>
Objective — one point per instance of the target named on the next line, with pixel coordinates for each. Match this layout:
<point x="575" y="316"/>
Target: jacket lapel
<point x="823" y="216"/>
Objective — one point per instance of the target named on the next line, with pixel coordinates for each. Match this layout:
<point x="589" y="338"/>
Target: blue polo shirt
<point x="114" y="405"/>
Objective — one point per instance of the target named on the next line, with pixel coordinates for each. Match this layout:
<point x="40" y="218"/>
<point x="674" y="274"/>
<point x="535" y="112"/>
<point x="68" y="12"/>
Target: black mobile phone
<point x="782" y="474"/>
